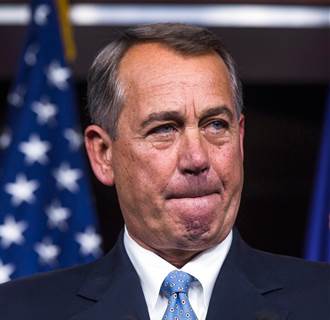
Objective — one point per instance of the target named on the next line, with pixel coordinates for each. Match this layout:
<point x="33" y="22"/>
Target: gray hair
<point x="105" y="93"/>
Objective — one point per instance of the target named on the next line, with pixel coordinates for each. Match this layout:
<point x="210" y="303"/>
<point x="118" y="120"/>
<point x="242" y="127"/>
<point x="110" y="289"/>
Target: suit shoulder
<point x="45" y="293"/>
<point x="66" y="277"/>
<point x="294" y="270"/>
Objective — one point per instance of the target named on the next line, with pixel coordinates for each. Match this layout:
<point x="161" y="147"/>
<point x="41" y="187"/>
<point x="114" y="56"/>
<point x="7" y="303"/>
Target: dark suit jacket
<point x="251" y="285"/>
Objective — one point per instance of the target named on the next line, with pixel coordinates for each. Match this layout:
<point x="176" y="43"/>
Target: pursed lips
<point x="195" y="193"/>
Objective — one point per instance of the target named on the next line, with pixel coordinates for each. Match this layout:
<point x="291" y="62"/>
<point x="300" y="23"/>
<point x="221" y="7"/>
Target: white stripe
<point x="274" y="16"/>
<point x="15" y="14"/>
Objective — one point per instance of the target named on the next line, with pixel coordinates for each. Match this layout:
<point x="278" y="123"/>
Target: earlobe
<point x="99" y="149"/>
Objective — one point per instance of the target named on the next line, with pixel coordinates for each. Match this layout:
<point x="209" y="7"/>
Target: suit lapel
<point x="240" y="292"/>
<point x="113" y="290"/>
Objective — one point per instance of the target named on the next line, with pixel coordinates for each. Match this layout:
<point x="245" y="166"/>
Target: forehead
<point x="152" y="72"/>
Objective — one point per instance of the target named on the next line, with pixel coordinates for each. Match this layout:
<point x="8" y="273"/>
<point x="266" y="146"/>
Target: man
<point x="168" y="132"/>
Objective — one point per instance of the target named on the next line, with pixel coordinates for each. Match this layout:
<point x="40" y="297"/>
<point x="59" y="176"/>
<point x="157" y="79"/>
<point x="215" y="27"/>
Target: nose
<point x="193" y="158"/>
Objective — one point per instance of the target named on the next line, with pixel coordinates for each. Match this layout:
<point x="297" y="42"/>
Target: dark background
<point x="285" y="73"/>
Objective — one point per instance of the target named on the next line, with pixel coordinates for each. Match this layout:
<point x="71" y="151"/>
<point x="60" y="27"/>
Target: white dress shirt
<point x="152" y="270"/>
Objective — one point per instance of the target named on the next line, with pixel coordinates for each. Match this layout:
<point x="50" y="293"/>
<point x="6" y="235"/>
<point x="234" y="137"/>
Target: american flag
<point x="317" y="246"/>
<point x="47" y="219"/>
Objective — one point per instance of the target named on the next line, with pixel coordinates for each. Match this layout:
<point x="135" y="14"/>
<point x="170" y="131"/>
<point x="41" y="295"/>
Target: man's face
<point x="177" y="161"/>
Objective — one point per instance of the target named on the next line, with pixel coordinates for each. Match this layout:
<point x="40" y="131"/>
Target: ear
<point x="99" y="149"/>
<point x="241" y="123"/>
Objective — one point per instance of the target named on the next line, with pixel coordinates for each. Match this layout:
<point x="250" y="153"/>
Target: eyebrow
<point x="215" y="111"/>
<point x="178" y="118"/>
<point x="163" y="116"/>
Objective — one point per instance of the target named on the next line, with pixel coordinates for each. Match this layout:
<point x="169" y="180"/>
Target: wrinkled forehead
<point x="158" y="57"/>
<point x="153" y="72"/>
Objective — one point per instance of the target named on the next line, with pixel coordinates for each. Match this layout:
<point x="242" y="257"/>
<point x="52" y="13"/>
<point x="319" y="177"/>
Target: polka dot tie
<point x="175" y="287"/>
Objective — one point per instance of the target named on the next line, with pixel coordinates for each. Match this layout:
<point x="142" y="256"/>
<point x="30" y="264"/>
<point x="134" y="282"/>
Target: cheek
<point x="227" y="162"/>
<point x="144" y="167"/>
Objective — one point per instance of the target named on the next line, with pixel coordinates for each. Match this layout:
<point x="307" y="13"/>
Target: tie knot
<point x="176" y="282"/>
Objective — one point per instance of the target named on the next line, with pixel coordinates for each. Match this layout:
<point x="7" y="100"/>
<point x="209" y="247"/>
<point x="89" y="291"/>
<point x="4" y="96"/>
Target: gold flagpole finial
<point x="66" y="29"/>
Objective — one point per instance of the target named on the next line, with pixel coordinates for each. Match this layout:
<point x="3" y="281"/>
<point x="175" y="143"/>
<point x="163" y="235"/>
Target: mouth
<point x="194" y="201"/>
<point x="192" y="194"/>
<point x="193" y="206"/>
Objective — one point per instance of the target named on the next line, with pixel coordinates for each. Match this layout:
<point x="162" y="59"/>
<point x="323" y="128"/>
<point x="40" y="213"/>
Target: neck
<point x="175" y="257"/>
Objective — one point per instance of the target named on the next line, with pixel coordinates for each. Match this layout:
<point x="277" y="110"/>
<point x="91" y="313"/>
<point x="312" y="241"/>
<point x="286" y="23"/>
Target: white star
<point x="57" y="215"/>
<point x="16" y="98"/>
<point x="30" y="56"/>
<point x="89" y="242"/>
<point x="58" y="76"/>
<point x="35" y="150"/>
<point x="45" y="111"/>
<point x="6" y="271"/>
<point x="67" y="178"/>
<point x="22" y="190"/>
<point x="12" y="231"/>
<point x="5" y="138"/>
<point x="74" y="138"/>
<point x="41" y="14"/>
<point x="47" y="251"/>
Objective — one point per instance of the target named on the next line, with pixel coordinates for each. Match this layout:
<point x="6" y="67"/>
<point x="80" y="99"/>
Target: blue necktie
<point x="175" y="287"/>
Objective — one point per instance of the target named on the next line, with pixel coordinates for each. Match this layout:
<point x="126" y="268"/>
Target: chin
<point x="203" y="234"/>
<point x="198" y="232"/>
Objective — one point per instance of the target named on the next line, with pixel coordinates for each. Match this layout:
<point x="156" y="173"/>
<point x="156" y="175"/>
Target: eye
<point x="216" y="126"/>
<point x="165" y="129"/>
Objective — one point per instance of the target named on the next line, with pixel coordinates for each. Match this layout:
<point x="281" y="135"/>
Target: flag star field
<point x="47" y="217"/>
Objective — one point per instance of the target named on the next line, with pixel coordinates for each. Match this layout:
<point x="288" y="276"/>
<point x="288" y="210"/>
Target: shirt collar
<point x="206" y="266"/>
<point x="152" y="269"/>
